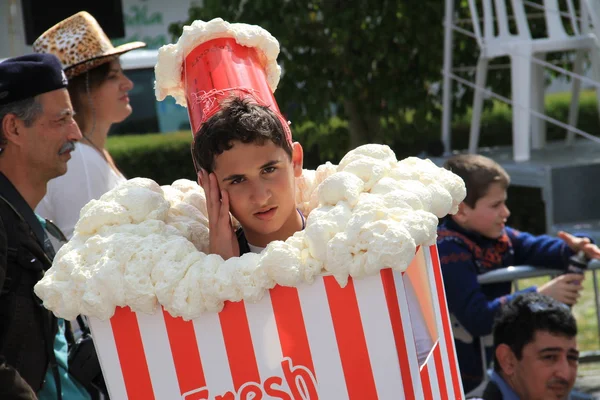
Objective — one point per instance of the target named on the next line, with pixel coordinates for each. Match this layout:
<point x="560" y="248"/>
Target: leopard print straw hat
<point x="80" y="44"/>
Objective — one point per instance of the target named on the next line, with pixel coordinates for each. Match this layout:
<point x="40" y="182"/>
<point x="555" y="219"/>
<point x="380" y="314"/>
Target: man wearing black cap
<point x="37" y="134"/>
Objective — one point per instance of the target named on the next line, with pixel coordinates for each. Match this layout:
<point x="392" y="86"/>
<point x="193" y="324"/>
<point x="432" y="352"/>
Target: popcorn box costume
<point x="322" y="315"/>
<point x="314" y="341"/>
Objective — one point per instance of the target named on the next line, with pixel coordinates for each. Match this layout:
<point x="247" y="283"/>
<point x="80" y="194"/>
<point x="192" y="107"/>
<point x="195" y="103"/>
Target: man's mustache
<point x="558" y="382"/>
<point x="69" y="146"/>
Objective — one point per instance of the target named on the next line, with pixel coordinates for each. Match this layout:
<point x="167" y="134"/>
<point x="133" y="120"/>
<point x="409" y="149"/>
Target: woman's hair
<point x="78" y="91"/>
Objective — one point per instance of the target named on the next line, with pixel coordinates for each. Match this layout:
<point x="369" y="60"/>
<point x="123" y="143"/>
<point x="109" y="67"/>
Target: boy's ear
<point x="297" y="158"/>
<point x="463" y="213"/>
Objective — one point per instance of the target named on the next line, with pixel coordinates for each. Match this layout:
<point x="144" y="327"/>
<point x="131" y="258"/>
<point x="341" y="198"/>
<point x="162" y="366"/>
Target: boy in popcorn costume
<point x="246" y="160"/>
<point x="144" y="246"/>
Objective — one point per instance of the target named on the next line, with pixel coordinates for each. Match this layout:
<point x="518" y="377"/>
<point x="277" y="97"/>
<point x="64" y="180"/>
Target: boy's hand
<point x="221" y="234"/>
<point x="564" y="288"/>
<point x="577" y="244"/>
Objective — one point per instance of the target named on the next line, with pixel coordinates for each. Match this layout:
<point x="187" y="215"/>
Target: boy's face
<point x="261" y="184"/>
<point x="488" y="217"/>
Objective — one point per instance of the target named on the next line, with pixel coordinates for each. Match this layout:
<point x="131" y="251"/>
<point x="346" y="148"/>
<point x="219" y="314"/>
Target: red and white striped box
<point x="315" y="341"/>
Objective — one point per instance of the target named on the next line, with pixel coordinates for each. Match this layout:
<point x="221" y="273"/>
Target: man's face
<point x="261" y="186"/>
<point x="488" y="217"/>
<point x="547" y="369"/>
<point x="45" y="143"/>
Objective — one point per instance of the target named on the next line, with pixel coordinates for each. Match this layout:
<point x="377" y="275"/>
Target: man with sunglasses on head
<point x="535" y="350"/>
<point x="37" y="135"/>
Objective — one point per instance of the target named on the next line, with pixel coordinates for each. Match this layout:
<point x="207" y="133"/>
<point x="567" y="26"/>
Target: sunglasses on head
<point x="540" y="306"/>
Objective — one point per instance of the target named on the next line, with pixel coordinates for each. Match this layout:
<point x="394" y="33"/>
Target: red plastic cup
<point x="219" y="68"/>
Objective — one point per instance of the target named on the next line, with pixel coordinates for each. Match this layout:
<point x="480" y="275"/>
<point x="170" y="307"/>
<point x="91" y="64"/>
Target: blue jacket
<point x="463" y="256"/>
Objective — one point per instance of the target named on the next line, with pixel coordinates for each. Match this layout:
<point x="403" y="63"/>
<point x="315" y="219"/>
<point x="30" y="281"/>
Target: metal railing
<point x="514" y="274"/>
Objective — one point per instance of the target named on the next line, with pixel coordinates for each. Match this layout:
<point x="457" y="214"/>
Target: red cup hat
<point x="216" y="60"/>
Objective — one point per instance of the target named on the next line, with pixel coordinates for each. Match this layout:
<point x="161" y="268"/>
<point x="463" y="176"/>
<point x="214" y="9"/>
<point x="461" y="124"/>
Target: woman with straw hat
<point x="98" y="89"/>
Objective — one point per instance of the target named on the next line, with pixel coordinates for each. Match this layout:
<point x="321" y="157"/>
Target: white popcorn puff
<point x="322" y="225"/>
<point x="226" y="282"/>
<point x="96" y="214"/>
<point x="60" y="280"/>
<point x="429" y="174"/>
<point x="142" y="198"/>
<point x="389" y="245"/>
<point x="324" y="171"/>
<point x="172" y="195"/>
<point x="197" y="291"/>
<point x="171" y="57"/>
<point x="339" y="258"/>
<point x="185" y="185"/>
<point x="197" y="199"/>
<point x="305" y="185"/>
<point x="131" y="202"/>
<point x="413" y="193"/>
<point x="421" y="225"/>
<point x="402" y="173"/>
<point x="370" y="170"/>
<point x="252" y="279"/>
<point x="376" y="151"/>
<point x="369" y="212"/>
<point x="172" y="267"/>
<point x="342" y="186"/>
<point x="402" y="199"/>
<point x="441" y="200"/>
<point x="142" y="245"/>
<point x="281" y="261"/>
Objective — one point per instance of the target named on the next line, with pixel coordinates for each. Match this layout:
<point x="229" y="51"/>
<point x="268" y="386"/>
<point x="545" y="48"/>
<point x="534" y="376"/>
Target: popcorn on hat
<point x="80" y="44"/>
<point x="30" y="75"/>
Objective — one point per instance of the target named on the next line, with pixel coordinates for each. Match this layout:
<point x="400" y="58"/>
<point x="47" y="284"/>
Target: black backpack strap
<point x="85" y="329"/>
<point x="53" y="363"/>
<point x="242" y="241"/>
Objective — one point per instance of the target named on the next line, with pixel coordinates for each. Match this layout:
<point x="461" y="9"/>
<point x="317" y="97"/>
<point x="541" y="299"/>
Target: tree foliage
<point x="365" y="60"/>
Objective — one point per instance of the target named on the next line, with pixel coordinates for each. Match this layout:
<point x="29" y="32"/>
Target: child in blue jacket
<point x="476" y="240"/>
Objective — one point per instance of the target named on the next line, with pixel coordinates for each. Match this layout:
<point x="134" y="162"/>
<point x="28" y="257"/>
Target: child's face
<point x="489" y="215"/>
<point x="261" y="184"/>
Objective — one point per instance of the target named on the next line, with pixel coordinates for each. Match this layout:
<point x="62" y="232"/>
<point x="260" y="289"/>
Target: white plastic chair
<point x="527" y="77"/>
<point x="590" y="22"/>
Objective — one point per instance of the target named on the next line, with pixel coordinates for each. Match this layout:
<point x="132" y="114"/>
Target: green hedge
<point x="166" y="157"/>
<point x="161" y="157"/>
<point x="496" y="124"/>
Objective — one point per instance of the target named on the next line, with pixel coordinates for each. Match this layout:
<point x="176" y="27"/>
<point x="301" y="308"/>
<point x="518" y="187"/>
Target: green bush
<point x="161" y="157"/>
<point x="496" y="123"/>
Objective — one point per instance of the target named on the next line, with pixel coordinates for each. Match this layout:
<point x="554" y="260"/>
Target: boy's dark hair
<point x="519" y="319"/>
<point x="238" y="119"/>
<point x="479" y="173"/>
